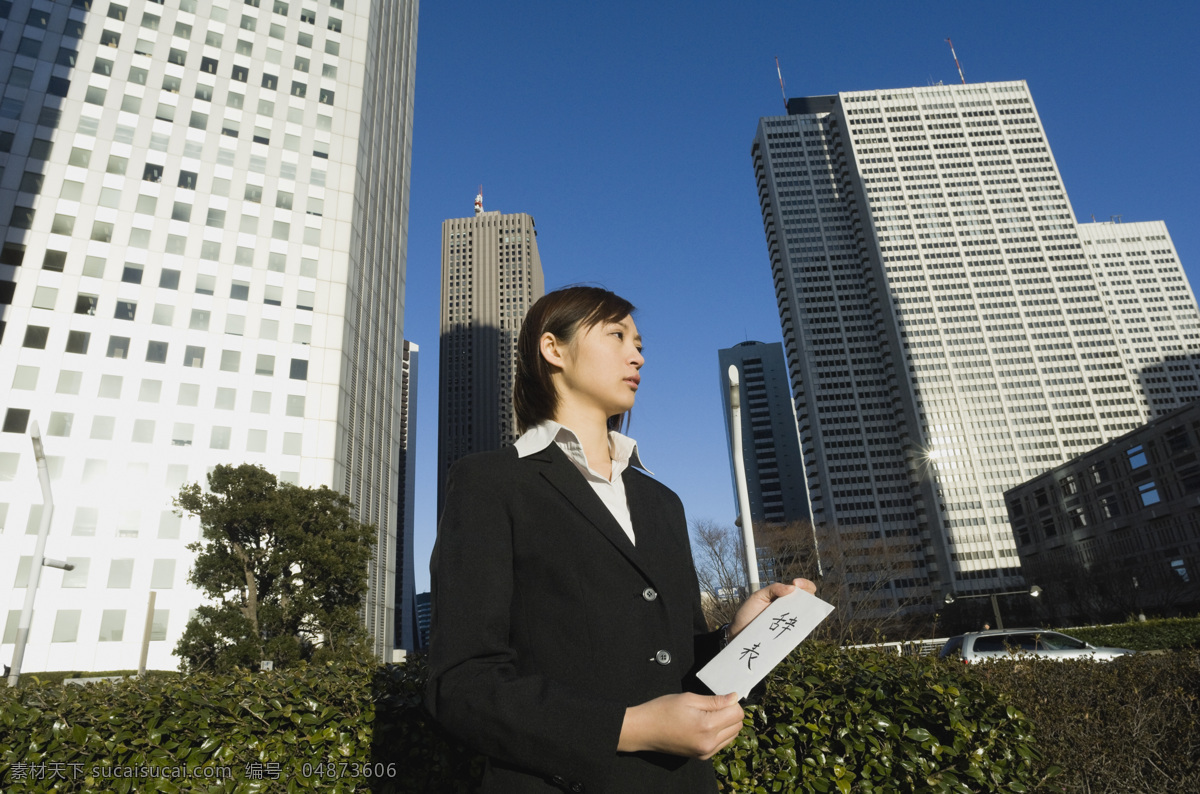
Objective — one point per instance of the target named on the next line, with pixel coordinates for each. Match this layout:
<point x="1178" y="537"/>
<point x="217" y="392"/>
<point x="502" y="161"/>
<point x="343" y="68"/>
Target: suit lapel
<point x="653" y="540"/>
<point x="561" y="473"/>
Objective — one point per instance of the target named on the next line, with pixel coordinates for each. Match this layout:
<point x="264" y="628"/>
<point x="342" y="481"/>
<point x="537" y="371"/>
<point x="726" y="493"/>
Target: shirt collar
<point x="622" y="448"/>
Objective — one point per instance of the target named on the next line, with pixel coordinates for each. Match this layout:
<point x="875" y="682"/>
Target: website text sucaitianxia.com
<point x="50" y="771"/>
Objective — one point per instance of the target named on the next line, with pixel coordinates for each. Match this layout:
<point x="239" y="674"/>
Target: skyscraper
<point x="405" y="589"/>
<point x="205" y="210"/>
<point x="947" y="331"/>
<point x="771" y="446"/>
<point x="491" y="275"/>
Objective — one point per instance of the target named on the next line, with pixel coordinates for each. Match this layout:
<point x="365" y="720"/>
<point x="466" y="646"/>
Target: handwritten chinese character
<point x="750" y="654"/>
<point x="782" y="623"/>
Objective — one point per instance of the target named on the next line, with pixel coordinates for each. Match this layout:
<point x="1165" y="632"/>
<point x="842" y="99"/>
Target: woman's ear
<point x="552" y="349"/>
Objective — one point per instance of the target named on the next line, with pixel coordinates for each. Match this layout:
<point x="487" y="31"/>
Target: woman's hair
<point x="562" y="313"/>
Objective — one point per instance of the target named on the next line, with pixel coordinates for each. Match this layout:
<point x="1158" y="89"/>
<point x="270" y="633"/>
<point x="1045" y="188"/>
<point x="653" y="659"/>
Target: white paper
<point x="764" y="643"/>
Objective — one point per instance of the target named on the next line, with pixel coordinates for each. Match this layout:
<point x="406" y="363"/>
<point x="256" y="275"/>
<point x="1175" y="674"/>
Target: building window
<point x="120" y="574"/>
<point x="143" y="431"/>
<point x="1137" y="457"/>
<point x="77" y="341"/>
<point x="118" y="347"/>
<point x="220" y="437"/>
<point x="16" y="420"/>
<point x="1180" y="568"/>
<point x="126" y="310"/>
<point x="66" y="625"/>
<point x="1149" y="493"/>
<point x="60" y="424"/>
<point x="62" y="224"/>
<point x="156" y="352"/>
<point x="36" y="336"/>
<point x="112" y="625"/>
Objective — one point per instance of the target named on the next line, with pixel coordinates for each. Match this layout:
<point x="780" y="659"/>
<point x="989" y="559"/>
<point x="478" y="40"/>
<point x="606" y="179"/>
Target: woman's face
<point x="601" y="368"/>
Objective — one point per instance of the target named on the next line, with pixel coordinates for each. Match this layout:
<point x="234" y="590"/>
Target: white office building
<point x="204" y="210"/>
<point x="951" y="331"/>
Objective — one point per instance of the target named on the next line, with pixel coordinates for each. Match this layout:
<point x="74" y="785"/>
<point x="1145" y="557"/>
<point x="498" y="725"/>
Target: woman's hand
<point x="759" y="601"/>
<point x="687" y="724"/>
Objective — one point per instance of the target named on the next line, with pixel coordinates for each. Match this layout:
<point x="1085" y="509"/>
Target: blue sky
<point x="624" y="128"/>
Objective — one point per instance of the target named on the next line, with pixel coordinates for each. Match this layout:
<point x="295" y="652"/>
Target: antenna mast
<point x="782" y="90"/>
<point x="952" y="52"/>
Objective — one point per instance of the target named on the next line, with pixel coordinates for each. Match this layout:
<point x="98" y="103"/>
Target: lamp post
<point x="739" y="474"/>
<point x="1032" y="592"/>
<point x="39" y="558"/>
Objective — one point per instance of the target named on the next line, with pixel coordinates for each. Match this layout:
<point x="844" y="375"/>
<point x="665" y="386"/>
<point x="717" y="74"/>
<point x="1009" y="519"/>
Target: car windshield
<point x="1005" y="642"/>
<point x="1051" y="641"/>
<point x="951" y="648"/>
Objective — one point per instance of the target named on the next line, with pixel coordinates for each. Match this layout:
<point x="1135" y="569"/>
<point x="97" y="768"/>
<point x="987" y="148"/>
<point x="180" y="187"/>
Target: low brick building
<point x="1116" y="531"/>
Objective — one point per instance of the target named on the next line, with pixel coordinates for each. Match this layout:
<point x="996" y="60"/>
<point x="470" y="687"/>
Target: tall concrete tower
<point x="951" y="331"/>
<point x="771" y="446"/>
<point x="491" y="275"/>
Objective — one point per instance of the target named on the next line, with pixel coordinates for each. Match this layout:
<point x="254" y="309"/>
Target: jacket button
<point x="649" y="594"/>
<point x="663" y="657"/>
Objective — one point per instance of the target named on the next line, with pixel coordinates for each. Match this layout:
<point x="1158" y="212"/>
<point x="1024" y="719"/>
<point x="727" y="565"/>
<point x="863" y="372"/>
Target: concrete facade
<point x="204" y="209"/>
<point x="491" y="275"/>
<point x="771" y="444"/>
<point x="947" y="330"/>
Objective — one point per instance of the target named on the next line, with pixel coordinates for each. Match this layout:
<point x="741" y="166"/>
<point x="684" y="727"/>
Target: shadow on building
<point x="1115" y="532"/>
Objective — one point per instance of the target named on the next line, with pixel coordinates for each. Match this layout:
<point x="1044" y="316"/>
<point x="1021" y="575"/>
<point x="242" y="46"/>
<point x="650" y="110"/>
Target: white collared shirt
<point x="621" y="448"/>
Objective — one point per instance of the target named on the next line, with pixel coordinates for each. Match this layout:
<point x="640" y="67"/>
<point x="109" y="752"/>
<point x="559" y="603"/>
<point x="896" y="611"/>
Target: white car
<point x="1040" y="643"/>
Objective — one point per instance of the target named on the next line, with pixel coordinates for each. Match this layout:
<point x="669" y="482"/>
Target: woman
<point x="566" y="621"/>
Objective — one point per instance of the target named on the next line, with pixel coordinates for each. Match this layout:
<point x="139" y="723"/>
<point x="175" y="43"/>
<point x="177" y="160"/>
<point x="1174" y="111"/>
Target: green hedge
<point x="1150" y="635"/>
<point x="1131" y="725"/>
<point x="871" y="721"/>
<point x="829" y="720"/>
<point x="304" y="728"/>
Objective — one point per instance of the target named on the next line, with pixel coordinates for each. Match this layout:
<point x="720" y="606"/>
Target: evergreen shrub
<point x="1131" y="725"/>
<point x="834" y="720"/>
<point x="1150" y="635"/>
<point x="828" y="720"/>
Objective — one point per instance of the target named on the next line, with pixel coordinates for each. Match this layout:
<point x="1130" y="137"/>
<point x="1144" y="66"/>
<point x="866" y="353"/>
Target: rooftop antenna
<point x="782" y="90"/>
<point x="479" y="201"/>
<point x="952" y="52"/>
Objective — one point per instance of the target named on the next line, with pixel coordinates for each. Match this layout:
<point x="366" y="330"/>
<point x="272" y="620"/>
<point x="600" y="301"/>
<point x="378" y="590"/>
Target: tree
<point x="717" y="554"/>
<point x="285" y="567"/>
<point x="865" y="575"/>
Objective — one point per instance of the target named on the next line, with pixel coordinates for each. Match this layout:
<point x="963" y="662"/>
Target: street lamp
<point x="1032" y="592"/>
<point x="39" y="558"/>
<point x="739" y="476"/>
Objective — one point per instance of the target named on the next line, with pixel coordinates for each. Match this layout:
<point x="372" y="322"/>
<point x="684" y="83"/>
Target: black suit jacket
<point x="547" y="622"/>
